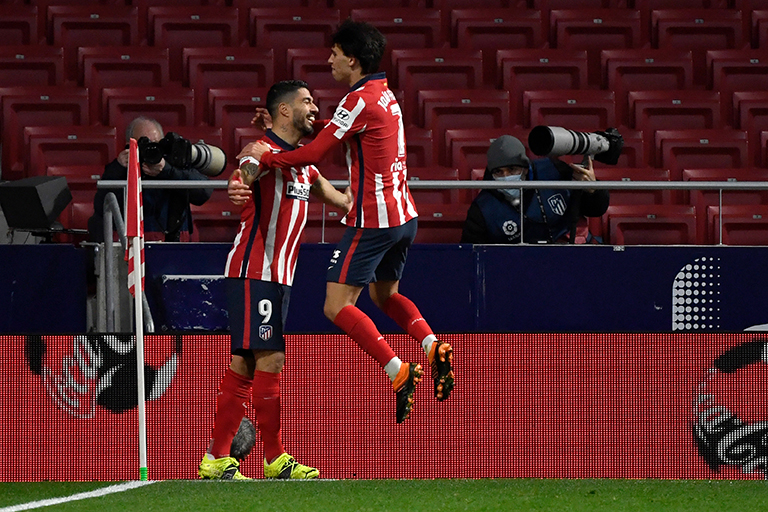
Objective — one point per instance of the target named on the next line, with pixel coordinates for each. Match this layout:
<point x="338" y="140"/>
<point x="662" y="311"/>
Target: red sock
<point x="405" y="313"/>
<point x="363" y="331"/>
<point x="231" y="403"/>
<point x="266" y="404"/>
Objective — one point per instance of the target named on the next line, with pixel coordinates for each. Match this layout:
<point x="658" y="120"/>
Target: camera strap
<point x="541" y="206"/>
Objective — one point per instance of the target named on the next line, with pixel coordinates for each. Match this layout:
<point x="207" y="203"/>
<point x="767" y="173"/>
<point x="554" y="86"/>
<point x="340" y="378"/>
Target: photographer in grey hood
<point x="547" y="216"/>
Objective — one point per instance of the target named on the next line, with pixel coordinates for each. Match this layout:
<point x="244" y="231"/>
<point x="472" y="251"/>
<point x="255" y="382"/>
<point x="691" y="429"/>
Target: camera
<point x="604" y="146"/>
<point x="183" y="154"/>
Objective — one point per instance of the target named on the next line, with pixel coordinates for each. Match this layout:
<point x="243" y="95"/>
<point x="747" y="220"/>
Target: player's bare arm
<point x="239" y="193"/>
<point x="323" y="190"/>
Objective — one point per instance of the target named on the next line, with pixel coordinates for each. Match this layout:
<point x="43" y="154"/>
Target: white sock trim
<point x="393" y="367"/>
<point x="426" y="344"/>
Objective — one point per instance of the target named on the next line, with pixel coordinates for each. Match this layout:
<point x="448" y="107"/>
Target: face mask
<point x="512" y="194"/>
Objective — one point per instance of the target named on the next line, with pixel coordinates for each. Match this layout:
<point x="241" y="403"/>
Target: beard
<point x="300" y="123"/>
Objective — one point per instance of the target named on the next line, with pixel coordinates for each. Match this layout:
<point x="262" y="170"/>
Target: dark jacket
<point x="549" y="214"/>
<point x="165" y="210"/>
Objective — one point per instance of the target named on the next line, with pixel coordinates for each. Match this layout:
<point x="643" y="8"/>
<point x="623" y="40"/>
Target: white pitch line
<point x="75" y="497"/>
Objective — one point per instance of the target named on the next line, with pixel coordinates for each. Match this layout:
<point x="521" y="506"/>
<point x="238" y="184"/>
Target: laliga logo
<point x="721" y="436"/>
<point x="510" y="228"/>
<point x="80" y="372"/>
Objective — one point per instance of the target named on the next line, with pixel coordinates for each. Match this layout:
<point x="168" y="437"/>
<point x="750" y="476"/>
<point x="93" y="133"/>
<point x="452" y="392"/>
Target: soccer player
<point x="260" y="270"/>
<point x="382" y="223"/>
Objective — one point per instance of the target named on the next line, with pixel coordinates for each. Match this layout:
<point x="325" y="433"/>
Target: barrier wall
<point x="526" y="405"/>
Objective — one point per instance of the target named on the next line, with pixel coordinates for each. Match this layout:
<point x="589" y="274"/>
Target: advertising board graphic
<point x="562" y="405"/>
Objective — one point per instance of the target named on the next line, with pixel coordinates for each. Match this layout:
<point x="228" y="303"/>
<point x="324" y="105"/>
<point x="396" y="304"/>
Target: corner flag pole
<point x="135" y="256"/>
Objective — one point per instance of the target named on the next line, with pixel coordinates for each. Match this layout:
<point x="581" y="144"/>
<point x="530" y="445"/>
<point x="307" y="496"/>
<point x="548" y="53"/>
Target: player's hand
<point x="239" y="193"/>
<point x="262" y="120"/>
<point x="581" y="173"/>
<point x="254" y="149"/>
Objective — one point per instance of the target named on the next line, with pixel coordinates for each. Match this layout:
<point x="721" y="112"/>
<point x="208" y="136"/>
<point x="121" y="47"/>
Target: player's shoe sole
<point x="440" y="358"/>
<point x="285" y="467"/>
<point x="224" y="468"/>
<point x="404" y="385"/>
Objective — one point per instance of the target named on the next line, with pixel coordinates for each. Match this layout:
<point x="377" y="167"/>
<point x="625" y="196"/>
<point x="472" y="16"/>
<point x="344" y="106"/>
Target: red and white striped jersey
<point x="272" y="222"/>
<point x="369" y="121"/>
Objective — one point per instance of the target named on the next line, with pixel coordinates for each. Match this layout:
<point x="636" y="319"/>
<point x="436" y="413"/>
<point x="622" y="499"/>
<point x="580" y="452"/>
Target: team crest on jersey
<point x="341" y="118"/>
<point x="265" y="332"/>
<point x="557" y="203"/>
<point x="298" y="191"/>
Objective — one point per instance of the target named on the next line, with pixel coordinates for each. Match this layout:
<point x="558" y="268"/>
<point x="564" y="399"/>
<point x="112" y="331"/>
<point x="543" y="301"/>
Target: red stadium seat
<point x="636" y="196"/>
<point x="404" y="28"/>
<point x="208" y="134"/>
<point x="79" y="177"/>
<point x="650" y="111"/>
<point x="31" y="65"/>
<point x="18" y="25"/>
<point x="702" y="199"/>
<point x="736" y="70"/>
<point x="742" y="224"/>
<point x="180" y="27"/>
<point x="73" y="26"/>
<point x="750" y="110"/>
<point x="440" y="223"/>
<point x="419" y="147"/>
<point x="120" y="66"/>
<point x="532" y="70"/>
<point x="760" y="29"/>
<point x="167" y="105"/>
<point x="650" y="5"/>
<point x="633" y="154"/>
<point x="587" y="110"/>
<point x="652" y="224"/>
<point x="644" y="70"/>
<point x="144" y="6"/>
<point x="445" y="68"/>
<point x="323" y="223"/>
<point x="467" y="149"/>
<point x="457" y="108"/>
<point x="311" y="65"/>
<point x="217" y="220"/>
<point x="231" y="108"/>
<point x="36" y="106"/>
<point x="698" y="30"/>
<point x="699" y="149"/>
<point x="490" y="30"/>
<point x="208" y="68"/>
<point x="595" y="30"/>
<point x="49" y="146"/>
<point x="283" y="28"/>
<point x="434" y="195"/>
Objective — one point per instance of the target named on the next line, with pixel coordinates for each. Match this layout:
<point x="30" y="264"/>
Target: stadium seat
<point x="736" y="70"/>
<point x="643" y="70"/>
<point x="72" y="26"/>
<point x="651" y="5"/>
<point x="144" y="5"/>
<point x="436" y="196"/>
<point x="180" y="27"/>
<point x="673" y="110"/>
<point x="79" y="177"/>
<point x="440" y="223"/>
<point x="651" y="224"/>
<point x="36" y="106"/>
<point x="595" y="30"/>
<point x="742" y="224"/>
<point x="231" y="108"/>
<point x="48" y="146"/>
<point x="419" y="147"/>
<point x="208" y="68"/>
<point x="167" y="105"/>
<point x="760" y="29"/>
<point x="467" y="149"/>
<point x="636" y="196"/>
<point x="31" y="65"/>
<point x="75" y="216"/>
<point x="490" y="30"/>
<point x="764" y="148"/>
<point x="404" y="28"/>
<point x="18" y="25"/>
<point x="120" y="66"/>
<point x="702" y="199"/>
<point x="587" y="110"/>
<point x="460" y="108"/>
<point x="750" y="111"/>
<point x="282" y="28"/>
<point x="698" y="30"/>
<point x="323" y="224"/>
<point x="700" y="149"/>
<point x="311" y="65"/>
<point x="208" y="134"/>
<point x="532" y="70"/>
<point x="216" y="220"/>
<point x="429" y="68"/>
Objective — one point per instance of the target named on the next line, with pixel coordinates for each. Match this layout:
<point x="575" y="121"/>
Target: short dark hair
<point x="362" y="41"/>
<point x="278" y="92"/>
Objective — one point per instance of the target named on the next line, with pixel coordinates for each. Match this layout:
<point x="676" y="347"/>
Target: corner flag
<point x="134" y="227"/>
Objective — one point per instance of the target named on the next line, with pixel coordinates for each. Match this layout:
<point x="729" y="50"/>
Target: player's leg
<point x="352" y="266"/>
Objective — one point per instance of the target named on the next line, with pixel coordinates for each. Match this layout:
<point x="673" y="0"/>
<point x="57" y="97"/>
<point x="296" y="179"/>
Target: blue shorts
<point x="368" y="255"/>
<point x="257" y="313"/>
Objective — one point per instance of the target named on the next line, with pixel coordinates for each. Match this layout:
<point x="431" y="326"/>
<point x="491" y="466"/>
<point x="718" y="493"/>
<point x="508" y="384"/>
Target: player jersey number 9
<point x="395" y="109"/>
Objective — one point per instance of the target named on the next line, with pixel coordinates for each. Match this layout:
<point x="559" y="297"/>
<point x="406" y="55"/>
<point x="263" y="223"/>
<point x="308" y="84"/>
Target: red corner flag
<point x="134" y="226"/>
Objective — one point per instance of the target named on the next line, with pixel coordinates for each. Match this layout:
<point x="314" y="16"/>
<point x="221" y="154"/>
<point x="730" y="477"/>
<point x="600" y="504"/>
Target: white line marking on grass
<point x="81" y="496"/>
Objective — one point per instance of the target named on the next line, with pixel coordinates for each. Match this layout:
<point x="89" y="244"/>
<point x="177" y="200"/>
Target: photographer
<point x="548" y="216"/>
<point x="167" y="215"/>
